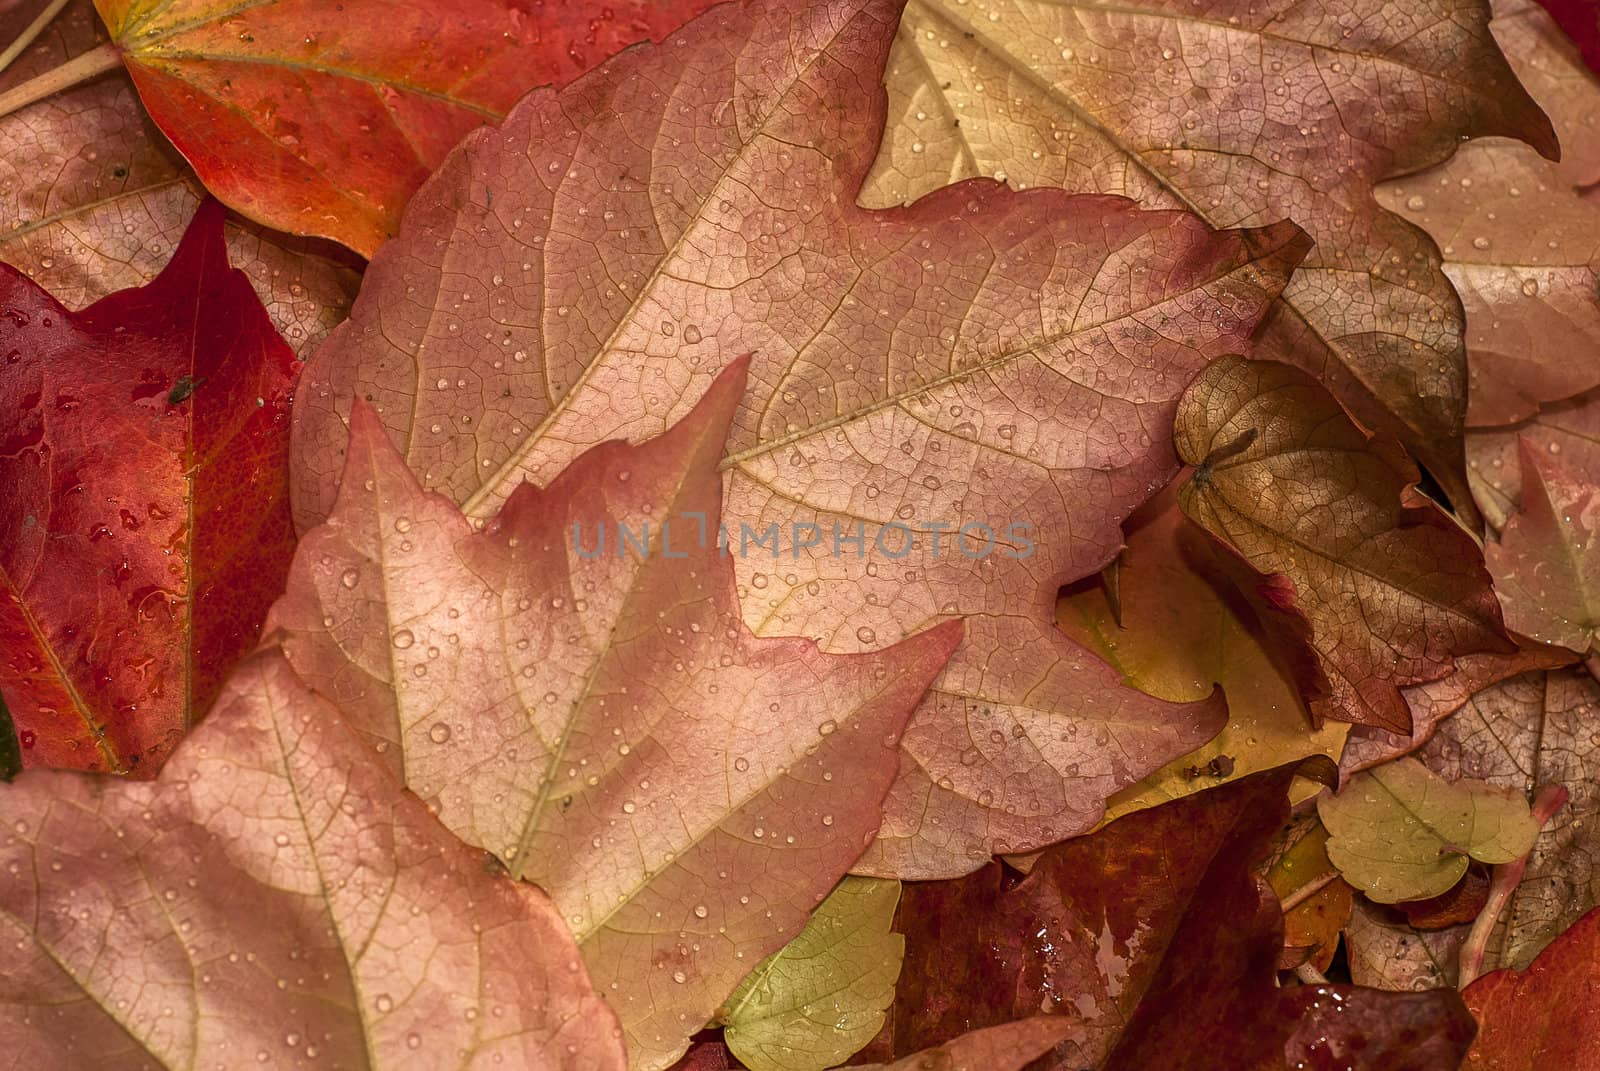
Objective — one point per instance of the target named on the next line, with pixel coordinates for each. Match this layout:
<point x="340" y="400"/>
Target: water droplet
<point x="439" y="732"/>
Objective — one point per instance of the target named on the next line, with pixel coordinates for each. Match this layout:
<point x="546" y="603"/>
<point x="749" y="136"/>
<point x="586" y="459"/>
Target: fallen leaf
<point x="1386" y="952"/>
<point x="1546" y="565"/>
<point x="1547" y="1016"/>
<point x="1539" y="728"/>
<point x="1007" y="362"/>
<point x="323" y="119"/>
<point x="1184" y="628"/>
<point x="93" y="200"/>
<point x="821" y="997"/>
<point x="1460" y="903"/>
<point x="275" y="896"/>
<point x="1242" y="112"/>
<point x="144" y="514"/>
<point x="1521" y="242"/>
<point x="1315" y="901"/>
<point x="1156" y="942"/>
<point x="1401" y="832"/>
<point x="593" y="712"/>
<point x="1568" y="431"/>
<point x="1008" y="1047"/>
<point x="1393" y="588"/>
<point x="1431" y="703"/>
<point x="1581" y="22"/>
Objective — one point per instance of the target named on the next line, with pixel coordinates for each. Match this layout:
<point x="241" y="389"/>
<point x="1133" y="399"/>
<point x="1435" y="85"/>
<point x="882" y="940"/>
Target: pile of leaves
<point x="897" y="533"/>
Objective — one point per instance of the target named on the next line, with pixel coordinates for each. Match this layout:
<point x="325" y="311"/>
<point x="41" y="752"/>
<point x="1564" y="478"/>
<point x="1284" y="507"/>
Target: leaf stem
<point x="75" y="70"/>
<point x="1507" y="876"/>
<point x="1307" y="891"/>
<point x="31" y="34"/>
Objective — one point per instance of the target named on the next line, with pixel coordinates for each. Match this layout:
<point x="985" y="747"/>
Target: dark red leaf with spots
<point x="143" y="513"/>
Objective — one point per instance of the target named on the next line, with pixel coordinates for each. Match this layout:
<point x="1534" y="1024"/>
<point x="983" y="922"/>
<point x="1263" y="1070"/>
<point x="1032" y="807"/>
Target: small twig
<point x="1507" y="876"/>
<point x="1307" y="891"/>
<point x="31" y="34"/>
<point x="75" y="70"/>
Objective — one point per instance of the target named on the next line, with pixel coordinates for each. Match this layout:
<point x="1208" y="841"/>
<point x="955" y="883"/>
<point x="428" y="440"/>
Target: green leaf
<point x="1400" y="832"/>
<point x="816" y="1001"/>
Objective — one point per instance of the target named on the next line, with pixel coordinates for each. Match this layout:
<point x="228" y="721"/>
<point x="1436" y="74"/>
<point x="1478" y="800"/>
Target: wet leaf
<point x="1008" y="1047"/>
<point x="142" y="535"/>
<point x="1243" y="112"/>
<point x="1546" y="565"/>
<point x="819" y="999"/>
<point x="1392" y="588"/>
<point x="1518" y="234"/>
<point x="93" y="200"/>
<point x="276" y="897"/>
<point x="1003" y="361"/>
<point x="323" y="119"/>
<point x="1546" y="1016"/>
<point x="593" y="712"/>
<point x="1156" y="942"/>
<point x="1316" y="902"/>
<point x="1400" y="832"/>
<point x="1184" y="629"/>
<point x="1539" y="728"/>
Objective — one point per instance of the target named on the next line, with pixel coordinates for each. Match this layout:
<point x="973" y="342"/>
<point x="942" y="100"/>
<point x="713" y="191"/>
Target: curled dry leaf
<point x="816" y="1001"/>
<point x="1154" y="939"/>
<point x="275" y="897"/>
<point x="1547" y="1016"/>
<point x="1008" y="361"/>
<point x="144" y="511"/>
<point x="1537" y="729"/>
<point x="1400" y="832"/>
<point x="1182" y="629"/>
<point x="323" y="119"/>
<point x="1546" y="565"/>
<point x="1243" y="112"/>
<point x="1392" y="588"/>
<point x="93" y="200"/>
<point x="1521" y="234"/>
<point x="572" y="689"/>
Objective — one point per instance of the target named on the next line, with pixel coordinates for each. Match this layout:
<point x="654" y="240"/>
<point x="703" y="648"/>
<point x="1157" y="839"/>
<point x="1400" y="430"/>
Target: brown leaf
<point x="93" y="200"/>
<point x="1544" y="1017"/>
<point x="276" y="896"/>
<point x="1393" y="589"/>
<point x="985" y="358"/>
<point x="1567" y="431"/>
<point x="598" y="717"/>
<point x="1243" y="112"/>
<point x="1540" y="728"/>
<point x="1007" y="1047"/>
<point x="1546" y="565"/>
<point x="1521" y="242"/>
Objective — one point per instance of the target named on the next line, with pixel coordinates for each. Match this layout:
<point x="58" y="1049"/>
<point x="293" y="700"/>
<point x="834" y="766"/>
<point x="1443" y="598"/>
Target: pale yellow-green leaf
<point x="1400" y="832"/>
<point x="819" y="999"/>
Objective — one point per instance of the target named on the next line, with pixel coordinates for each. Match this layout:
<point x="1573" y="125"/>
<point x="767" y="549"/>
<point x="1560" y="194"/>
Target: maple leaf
<point x="983" y="357"/>
<point x="821" y="997"/>
<point x="1156" y="941"/>
<point x="323" y="119"/>
<point x="145" y="527"/>
<point x="92" y="199"/>
<point x="1401" y="832"/>
<point x="595" y="713"/>
<point x="1244" y="112"/>
<point x="275" y="897"/>
<point x="1517" y="232"/>
<point x="1181" y="626"/>
<point x="1546" y="566"/>
<point x="1392" y="587"/>
<point x="1536" y="728"/>
<point x="1546" y="1016"/>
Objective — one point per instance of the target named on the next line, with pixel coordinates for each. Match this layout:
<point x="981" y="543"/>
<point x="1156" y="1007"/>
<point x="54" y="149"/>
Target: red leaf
<point x="144" y="525"/>
<point x="588" y="706"/>
<point x="1580" y="20"/>
<point x="1546" y="1018"/>
<point x="1154" y="936"/>
<point x="274" y="899"/>
<point x="322" y="118"/>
